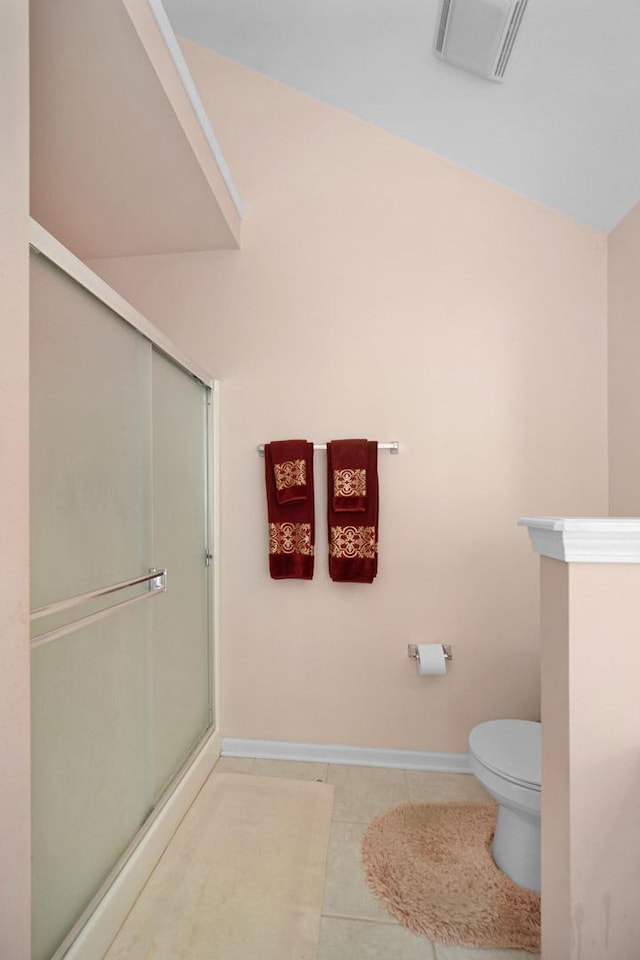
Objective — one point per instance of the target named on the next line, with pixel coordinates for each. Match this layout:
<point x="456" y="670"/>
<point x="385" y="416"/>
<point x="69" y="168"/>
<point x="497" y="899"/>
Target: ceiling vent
<point x="478" y="35"/>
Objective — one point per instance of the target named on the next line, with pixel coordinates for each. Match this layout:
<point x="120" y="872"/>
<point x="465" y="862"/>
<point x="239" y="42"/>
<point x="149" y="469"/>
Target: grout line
<point x="362" y="823"/>
<point x="358" y="919"/>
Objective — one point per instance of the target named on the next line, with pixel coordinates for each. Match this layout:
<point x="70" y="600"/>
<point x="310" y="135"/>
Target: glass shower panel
<point x="91" y="527"/>
<point x="90" y="452"/>
<point x="181" y="667"/>
<point x="91" y="789"/>
<point x="121" y="682"/>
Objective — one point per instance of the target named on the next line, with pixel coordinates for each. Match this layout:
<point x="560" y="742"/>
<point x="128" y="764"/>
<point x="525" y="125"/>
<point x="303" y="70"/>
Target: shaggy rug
<point x="431" y="867"/>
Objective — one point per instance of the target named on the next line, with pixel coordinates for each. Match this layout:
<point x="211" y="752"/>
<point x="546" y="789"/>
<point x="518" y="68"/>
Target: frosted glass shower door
<point x="121" y="677"/>
<point x="91" y="527"/>
<point x="181" y="704"/>
<point x="91" y="443"/>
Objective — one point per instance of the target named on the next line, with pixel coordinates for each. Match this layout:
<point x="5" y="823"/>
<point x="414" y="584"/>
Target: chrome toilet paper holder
<point x="412" y="651"/>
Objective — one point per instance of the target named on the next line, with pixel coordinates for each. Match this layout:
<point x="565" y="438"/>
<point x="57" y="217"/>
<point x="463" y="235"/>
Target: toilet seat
<point x="510" y="749"/>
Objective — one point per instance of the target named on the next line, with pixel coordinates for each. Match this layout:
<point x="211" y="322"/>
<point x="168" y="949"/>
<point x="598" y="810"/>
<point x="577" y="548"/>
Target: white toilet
<point x="504" y="755"/>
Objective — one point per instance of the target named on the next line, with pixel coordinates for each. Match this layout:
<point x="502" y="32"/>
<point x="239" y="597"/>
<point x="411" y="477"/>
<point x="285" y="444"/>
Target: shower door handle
<point x="157" y="580"/>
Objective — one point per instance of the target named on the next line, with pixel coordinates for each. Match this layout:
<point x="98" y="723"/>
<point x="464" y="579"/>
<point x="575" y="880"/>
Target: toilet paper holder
<point x="412" y="651"/>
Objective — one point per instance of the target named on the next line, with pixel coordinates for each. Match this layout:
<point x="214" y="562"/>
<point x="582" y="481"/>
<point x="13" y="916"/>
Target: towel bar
<point x="392" y="446"/>
<point x="157" y="580"/>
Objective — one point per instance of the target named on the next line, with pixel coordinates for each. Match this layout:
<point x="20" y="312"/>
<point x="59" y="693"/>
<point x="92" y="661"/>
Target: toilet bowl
<point x="504" y="755"/>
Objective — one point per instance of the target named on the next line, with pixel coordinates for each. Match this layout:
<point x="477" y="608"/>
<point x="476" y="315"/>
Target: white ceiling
<point x="563" y="128"/>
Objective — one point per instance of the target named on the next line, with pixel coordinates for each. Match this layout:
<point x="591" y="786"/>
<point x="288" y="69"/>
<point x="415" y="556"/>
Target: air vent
<point x="510" y="36"/>
<point x="478" y="35"/>
<point x="442" y="25"/>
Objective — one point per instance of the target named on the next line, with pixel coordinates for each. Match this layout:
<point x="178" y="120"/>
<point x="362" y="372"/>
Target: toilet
<point x="504" y="755"/>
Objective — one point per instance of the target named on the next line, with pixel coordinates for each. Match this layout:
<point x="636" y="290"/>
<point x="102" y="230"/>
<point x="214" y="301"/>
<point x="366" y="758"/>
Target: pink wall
<point x="383" y="292"/>
<point x="556" y="757"/>
<point x="624" y="363"/>
<point x="591" y="775"/>
<point x="15" y="828"/>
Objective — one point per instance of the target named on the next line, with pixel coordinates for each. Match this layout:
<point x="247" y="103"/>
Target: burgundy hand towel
<point x="292" y="522"/>
<point x="289" y="469"/>
<point x="349" y="481"/>
<point x="353" y="536"/>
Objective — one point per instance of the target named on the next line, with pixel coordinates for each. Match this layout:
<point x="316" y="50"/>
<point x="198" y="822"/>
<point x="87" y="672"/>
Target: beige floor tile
<point x="290" y="769"/>
<point x="364" y="792"/>
<point x="346" y="893"/>
<point x="363" y="940"/>
<point x="470" y="953"/>
<point x="427" y="786"/>
<point x="233" y="765"/>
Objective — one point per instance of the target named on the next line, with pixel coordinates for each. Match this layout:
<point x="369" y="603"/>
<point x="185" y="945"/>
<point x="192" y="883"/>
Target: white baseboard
<point x="339" y="753"/>
<point x="96" y="935"/>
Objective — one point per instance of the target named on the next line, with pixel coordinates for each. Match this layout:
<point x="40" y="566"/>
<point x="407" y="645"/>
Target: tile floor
<point x="353" y="926"/>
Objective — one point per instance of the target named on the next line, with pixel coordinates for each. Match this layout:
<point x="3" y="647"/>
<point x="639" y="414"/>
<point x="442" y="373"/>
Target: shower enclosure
<point x="122" y="602"/>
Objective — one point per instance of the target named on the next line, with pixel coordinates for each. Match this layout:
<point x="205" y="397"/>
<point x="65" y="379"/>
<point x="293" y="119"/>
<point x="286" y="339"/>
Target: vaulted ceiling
<point x="563" y="128"/>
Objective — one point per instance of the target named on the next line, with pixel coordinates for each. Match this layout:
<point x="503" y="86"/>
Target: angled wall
<point x="383" y="292"/>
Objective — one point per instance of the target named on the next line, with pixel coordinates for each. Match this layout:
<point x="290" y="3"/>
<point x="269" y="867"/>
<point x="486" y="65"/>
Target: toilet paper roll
<point x="430" y="660"/>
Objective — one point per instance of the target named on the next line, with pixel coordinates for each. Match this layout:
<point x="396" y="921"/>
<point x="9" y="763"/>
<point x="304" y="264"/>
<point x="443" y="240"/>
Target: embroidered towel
<point x="353" y="535"/>
<point x="349" y="469"/>
<point x="290" y="469"/>
<point x="291" y="522"/>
